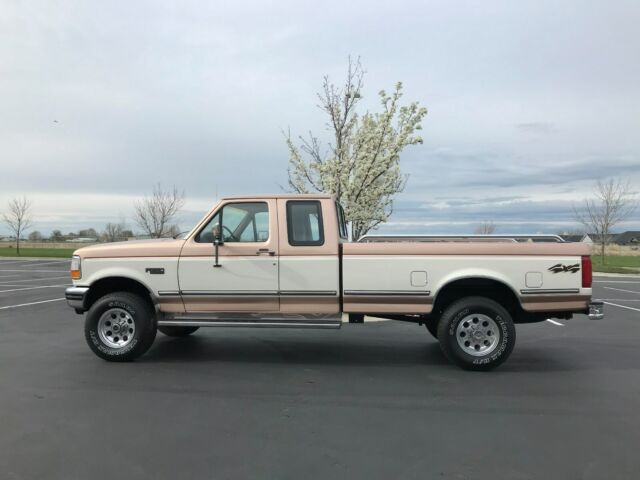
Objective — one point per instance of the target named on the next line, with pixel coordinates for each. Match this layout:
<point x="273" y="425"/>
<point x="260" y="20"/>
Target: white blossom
<point x="362" y="164"/>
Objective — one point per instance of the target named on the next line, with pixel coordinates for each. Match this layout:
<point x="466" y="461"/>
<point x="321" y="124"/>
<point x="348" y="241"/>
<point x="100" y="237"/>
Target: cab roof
<point x="281" y="195"/>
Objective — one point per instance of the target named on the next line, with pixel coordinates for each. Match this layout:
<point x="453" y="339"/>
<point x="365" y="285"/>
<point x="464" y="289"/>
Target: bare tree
<point x="612" y="203"/>
<point x="154" y="214"/>
<point x="487" y="227"/>
<point x="18" y="218"/>
<point x="362" y="163"/>
<point x="113" y="232"/>
<point x="35" y="236"/>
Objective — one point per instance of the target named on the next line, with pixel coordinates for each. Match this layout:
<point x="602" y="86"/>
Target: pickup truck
<point x="285" y="261"/>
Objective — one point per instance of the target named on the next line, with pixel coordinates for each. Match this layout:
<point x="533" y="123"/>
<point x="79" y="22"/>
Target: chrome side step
<point x="252" y="320"/>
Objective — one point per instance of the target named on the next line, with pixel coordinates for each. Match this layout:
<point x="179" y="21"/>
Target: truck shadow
<point x="261" y="350"/>
<point x="329" y="351"/>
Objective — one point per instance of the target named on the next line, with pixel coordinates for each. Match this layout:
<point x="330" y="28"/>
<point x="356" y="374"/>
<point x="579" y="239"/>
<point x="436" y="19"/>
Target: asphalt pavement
<point x="374" y="401"/>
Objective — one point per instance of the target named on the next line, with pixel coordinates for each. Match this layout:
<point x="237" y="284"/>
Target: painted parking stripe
<point x="22" y="274"/>
<point x="35" y="271"/>
<point x="37" y="264"/>
<point x="622" y="290"/>
<point x="619" y="299"/>
<point x="618" y="281"/>
<point x="35" y="288"/>
<point x="32" y="303"/>
<point x="555" y="323"/>
<point x="621" y="306"/>
<point x="11" y="282"/>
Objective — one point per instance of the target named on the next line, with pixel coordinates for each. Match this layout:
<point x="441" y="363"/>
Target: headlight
<point x="76" y="271"/>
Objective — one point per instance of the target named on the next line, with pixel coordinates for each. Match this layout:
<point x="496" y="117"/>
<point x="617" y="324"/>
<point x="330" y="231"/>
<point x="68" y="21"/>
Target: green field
<point x="37" y="252"/>
<point x="616" y="264"/>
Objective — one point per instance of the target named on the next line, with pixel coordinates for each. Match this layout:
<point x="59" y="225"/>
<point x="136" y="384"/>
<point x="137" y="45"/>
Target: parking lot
<point x="375" y="401"/>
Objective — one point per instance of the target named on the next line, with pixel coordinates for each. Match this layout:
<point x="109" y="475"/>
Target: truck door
<point x="309" y="256"/>
<point x="247" y="278"/>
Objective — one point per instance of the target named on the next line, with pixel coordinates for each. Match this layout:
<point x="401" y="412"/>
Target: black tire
<point x="171" y="331"/>
<point x="432" y="326"/>
<point x="134" y="313"/>
<point x="486" y="310"/>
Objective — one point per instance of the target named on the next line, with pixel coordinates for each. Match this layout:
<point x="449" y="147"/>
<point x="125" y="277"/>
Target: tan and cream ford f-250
<point x="285" y="261"/>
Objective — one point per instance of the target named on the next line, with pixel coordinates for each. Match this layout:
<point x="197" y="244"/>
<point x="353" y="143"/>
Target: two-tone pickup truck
<point x="285" y="261"/>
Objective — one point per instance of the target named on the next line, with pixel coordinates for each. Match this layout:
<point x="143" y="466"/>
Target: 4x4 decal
<point x="558" y="268"/>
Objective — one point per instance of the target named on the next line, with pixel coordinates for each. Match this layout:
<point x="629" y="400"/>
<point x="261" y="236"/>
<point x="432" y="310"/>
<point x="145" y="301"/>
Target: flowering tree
<point x="362" y="164"/>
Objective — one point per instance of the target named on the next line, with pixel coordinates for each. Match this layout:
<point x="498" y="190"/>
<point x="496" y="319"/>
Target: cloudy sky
<point x="530" y="102"/>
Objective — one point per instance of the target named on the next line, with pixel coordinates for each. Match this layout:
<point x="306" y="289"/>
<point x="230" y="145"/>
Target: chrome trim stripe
<point x="549" y="291"/>
<point x="309" y="293"/>
<point x="230" y="293"/>
<point x="390" y="293"/>
<point x="256" y="293"/>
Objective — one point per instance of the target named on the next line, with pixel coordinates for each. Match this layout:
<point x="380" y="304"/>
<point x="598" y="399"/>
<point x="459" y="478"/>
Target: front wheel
<point x="120" y="327"/>
<point x="476" y="333"/>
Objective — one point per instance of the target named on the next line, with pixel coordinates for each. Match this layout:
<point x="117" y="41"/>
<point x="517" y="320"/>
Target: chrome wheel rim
<point x="477" y="334"/>
<point x="116" y="328"/>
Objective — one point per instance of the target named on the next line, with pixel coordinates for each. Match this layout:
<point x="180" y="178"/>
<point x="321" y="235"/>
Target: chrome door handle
<point x="265" y="251"/>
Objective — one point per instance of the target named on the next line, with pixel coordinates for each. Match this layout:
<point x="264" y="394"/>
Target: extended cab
<point x="285" y="261"/>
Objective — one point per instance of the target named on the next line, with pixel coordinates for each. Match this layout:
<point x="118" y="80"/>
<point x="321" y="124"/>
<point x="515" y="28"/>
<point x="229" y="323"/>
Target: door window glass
<point x="240" y="222"/>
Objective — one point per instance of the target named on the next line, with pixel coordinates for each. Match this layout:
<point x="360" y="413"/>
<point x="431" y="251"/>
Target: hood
<point x="160" y="247"/>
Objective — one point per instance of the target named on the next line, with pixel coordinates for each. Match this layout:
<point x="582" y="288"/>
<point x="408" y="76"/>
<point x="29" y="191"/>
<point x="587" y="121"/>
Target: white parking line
<point x="620" y="299"/>
<point x="11" y="282"/>
<point x="621" y="290"/>
<point x="622" y="306"/>
<point x="32" y="262"/>
<point x="37" y="264"/>
<point x="617" y="281"/>
<point x="35" y="288"/>
<point x="34" y="271"/>
<point x="555" y="323"/>
<point x="32" y="303"/>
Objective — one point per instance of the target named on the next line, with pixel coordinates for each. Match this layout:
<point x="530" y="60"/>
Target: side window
<point x="304" y="223"/>
<point x="342" y="223"/>
<point x="240" y="222"/>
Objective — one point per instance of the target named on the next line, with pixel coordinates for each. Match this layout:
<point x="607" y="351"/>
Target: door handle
<point x="265" y="251"/>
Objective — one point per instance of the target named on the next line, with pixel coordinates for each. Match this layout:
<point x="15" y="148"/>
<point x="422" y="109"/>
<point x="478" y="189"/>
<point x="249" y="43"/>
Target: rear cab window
<point x="304" y="223"/>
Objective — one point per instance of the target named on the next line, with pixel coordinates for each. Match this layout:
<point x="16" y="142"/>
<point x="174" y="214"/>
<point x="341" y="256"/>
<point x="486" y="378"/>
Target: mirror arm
<point x="216" y="245"/>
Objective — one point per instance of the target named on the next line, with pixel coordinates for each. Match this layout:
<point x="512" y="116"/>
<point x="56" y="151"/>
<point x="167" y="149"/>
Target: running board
<point x="252" y="321"/>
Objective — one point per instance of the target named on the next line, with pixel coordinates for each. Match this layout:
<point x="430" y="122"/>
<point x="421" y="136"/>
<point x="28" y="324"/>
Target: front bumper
<point x="596" y="310"/>
<point x="76" y="296"/>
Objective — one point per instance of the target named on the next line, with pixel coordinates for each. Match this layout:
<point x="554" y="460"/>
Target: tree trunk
<point x="602" y="251"/>
<point x="18" y="245"/>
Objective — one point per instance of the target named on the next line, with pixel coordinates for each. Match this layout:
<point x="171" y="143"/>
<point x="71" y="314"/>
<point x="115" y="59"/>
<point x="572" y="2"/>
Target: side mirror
<point x="217" y="240"/>
<point x="217" y="234"/>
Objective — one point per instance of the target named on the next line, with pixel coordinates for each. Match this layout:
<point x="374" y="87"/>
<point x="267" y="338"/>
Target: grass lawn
<point x="38" y="252"/>
<point x="616" y="264"/>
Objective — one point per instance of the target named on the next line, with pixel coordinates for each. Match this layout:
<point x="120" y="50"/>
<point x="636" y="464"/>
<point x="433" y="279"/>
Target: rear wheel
<point x="171" y="331"/>
<point x="476" y="333"/>
<point x="120" y="327"/>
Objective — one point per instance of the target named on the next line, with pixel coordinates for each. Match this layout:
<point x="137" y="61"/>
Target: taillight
<point x="587" y="271"/>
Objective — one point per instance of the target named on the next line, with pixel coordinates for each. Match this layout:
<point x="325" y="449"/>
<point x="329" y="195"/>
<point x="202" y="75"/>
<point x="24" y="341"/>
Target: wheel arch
<point x="477" y="285"/>
<point x="110" y="284"/>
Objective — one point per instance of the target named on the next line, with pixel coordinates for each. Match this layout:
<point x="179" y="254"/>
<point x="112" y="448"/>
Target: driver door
<point x="247" y="278"/>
